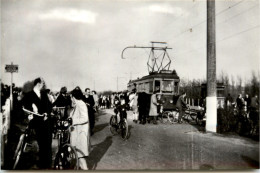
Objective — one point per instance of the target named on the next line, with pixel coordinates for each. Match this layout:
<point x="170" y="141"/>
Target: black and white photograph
<point x="127" y="85"/>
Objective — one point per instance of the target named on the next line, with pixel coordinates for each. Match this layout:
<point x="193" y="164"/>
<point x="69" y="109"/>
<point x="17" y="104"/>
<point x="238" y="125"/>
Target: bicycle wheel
<point x="113" y="125"/>
<point x="66" y="158"/>
<point x="124" y="129"/>
<point x="19" y="150"/>
<point x="164" y="117"/>
<point x="173" y="116"/>
<point x="186" y="116"/>
<point x="193" y="115"/>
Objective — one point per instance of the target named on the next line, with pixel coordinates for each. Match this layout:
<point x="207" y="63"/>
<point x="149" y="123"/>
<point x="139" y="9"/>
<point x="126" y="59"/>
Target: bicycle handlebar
<point x="59" y="107"/>
<point x="30" y="112"/>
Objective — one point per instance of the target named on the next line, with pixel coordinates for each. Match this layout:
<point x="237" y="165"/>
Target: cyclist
<point x="121" y="108"/>
<point x="181" y="105"/>
<point x="38" y="102"/>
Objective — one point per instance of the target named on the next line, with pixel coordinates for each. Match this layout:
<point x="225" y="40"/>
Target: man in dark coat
<point x="37" y="101"/>
<point x="181" y="105"/>
<point x="143" y="103"/>
<point x="239" y="102"/>
<point x="89" y="100"/>
<point x="63" y="101"/>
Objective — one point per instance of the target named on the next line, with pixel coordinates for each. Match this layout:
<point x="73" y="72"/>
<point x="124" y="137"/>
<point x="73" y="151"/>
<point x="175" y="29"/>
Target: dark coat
<point x="181" y="103"/>
<point x="43" y="104"/>
<point x="91" y="113"/>
<point x="248" y="101"/>
<point x="62" y="101"/>
<point x="143" y="102"/>
<point x="239" y="103"/>
<point x="42" y="128"/>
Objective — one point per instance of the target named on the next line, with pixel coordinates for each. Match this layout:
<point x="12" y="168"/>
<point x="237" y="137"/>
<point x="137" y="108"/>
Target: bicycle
<point x="169" y="116"/>
<point x="173" y="116"/>
<point x="23" y="140"/>
<point x="189" y="115"/>
<point x="66" y="157"/>
<point x="116" y="127"/>
<point x="58" y="113"/>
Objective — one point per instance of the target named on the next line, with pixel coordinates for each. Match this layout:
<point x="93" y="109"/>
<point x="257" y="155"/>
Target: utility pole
<point x="211" y="100"/>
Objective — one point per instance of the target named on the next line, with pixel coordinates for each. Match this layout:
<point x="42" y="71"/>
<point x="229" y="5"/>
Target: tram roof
<point x="164" y="74"/>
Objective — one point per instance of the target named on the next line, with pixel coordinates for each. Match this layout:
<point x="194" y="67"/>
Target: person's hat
<point x="63" y="90"/>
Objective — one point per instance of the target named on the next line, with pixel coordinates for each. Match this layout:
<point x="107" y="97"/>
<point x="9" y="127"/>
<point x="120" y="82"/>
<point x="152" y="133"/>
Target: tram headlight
<point x="171" y="101"/>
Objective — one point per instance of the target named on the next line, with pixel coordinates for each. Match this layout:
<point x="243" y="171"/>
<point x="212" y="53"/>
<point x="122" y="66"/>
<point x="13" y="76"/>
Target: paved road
<point x="167" y="147"/>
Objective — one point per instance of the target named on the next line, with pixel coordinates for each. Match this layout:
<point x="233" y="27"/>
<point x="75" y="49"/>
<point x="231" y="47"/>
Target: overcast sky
<point x="79" y="42"/>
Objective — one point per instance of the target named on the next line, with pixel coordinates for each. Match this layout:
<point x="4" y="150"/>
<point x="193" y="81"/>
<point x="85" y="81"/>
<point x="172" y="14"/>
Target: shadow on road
<point x="98" y="152"/>
<point x="100" y="127"/>
<point x="253" y="163"/>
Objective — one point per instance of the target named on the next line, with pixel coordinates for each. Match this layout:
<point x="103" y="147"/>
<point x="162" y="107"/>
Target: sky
<point x="79" y="42"/>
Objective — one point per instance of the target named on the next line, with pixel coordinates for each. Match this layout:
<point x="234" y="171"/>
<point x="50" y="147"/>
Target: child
<point x="121" y="109"/>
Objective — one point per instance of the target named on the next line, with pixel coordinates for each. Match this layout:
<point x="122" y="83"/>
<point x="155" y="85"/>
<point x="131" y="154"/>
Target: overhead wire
<point x="218" y="13"/>
<point x="243" y="12"/>
<point x="220" y="40"/>
<point x="238" y="14"/>
<point x="178" y="17"/>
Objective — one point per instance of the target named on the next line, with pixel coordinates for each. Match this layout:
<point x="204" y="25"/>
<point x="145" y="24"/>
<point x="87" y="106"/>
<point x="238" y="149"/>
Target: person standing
<point x="38" y="102"/>
<point x="89" y="100"/>
<point x="134" y="104"/>
<point x="142" y="106"/>
<point x="239" y="102"/>
<point x="254" y="113"/>
<point x="63" y="101"/>
<point x="153" y="107"/>
<point x="112" y="100"/>
<point x="181" y="105"/>
<point x="95" y="97"/>
<point x="248" y="101"/>
<point x="80" y="137"/>
<point x="229" y="100"/>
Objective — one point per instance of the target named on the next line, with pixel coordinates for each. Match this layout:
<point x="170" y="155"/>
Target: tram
<point x="160" y="78"/>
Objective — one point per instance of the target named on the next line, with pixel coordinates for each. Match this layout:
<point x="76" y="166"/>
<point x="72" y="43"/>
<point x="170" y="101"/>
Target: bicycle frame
<point x="65" y="150"/>
<point x="117" y="127"/>
<point x="22" y="144"/>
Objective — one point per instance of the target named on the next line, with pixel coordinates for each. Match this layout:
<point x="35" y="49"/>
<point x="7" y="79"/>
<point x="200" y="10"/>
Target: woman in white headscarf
<point x="80" y="134"/>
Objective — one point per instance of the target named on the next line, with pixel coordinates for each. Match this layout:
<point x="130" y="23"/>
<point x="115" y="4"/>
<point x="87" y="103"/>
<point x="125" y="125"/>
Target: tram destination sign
<point x="11" y="68"/>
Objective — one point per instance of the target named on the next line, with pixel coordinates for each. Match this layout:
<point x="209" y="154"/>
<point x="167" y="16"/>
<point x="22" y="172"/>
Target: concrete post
<point x="211" y="100"/>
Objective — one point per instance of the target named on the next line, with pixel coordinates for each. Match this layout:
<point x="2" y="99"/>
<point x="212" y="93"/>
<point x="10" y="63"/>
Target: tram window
<point x="167" y="86"/>
<point x="176" y="89"/>
<point x="157" y="85"/>
<point x="147" y="87"/>
<point x="151" y="87"/>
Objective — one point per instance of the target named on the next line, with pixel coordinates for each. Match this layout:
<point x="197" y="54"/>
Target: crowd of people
<point x="245" y="103"/>
<point x="81" y="108"/>
<point x="247" y="110"/>
<point x="78" y="105"/>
